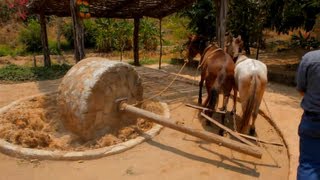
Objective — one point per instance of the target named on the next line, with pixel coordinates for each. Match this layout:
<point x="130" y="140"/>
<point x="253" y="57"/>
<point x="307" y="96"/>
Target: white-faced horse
<point x="251" y="81"/>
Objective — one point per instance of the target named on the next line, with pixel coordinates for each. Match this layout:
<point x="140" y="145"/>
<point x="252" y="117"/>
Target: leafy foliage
<point x="13" y="72"/>
<point x="285" y="15"/>
<point x="242" y="20"/>
<point x="249" y="17"/>
<point x="90" y="29"/>
<point x="304" y="41"/>
<point x="113" y="35"/>
<point x="6" y="50"/>
<point x="202" y="17"/>
<point x="13" y="9"/>
<point x="148" y="34"/>
<point x="30" y="36"/>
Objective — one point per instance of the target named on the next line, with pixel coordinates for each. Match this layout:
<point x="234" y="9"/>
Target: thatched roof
<point x="112" y="8"/>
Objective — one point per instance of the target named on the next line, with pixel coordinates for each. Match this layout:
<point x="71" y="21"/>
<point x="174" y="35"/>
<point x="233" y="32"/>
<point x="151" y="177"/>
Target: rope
<point x="192" y="84"/>
<point x="165" y="89"/>
<point x="265" y="103"/>
<point x="202" y="62"/>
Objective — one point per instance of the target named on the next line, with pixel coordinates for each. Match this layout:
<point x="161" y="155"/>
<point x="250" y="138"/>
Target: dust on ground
<point x="37" y="124"/>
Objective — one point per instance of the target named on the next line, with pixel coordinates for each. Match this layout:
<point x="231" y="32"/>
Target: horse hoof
<point x="252" y="132"/>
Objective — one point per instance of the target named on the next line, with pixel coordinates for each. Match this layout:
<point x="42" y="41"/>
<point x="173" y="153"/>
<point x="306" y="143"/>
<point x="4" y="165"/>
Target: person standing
<point x="308" y="84"/>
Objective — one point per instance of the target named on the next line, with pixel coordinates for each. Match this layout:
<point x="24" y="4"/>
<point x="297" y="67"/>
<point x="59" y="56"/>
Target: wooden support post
<point x="44" y="40"/>
<point x="210" y="137"/>
<point x="78" y="32"/>
<point x="221" y="20"/>
<point x="136" y="41"/>
<point x="160" y="27"/>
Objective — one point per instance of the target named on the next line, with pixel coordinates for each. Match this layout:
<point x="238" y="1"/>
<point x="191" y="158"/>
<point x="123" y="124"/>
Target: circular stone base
<point x="18" y="151"/>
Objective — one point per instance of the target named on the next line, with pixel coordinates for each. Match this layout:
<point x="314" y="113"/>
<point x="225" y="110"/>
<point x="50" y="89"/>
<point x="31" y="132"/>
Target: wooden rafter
<point x="112" y="8"/>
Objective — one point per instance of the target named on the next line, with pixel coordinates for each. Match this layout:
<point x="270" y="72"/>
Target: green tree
<point x="123" y="34"/>
<point x="247" y="20"/>
<point x="90" y="29"/>
<point x="148" y="34"/>
<point x="30" y="36"/>
<point x="202" y="15"/>
<point x="286" y="15"/>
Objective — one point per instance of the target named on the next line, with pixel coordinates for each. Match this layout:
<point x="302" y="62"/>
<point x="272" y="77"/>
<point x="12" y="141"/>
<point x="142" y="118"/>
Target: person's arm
<point x="302" y="77"/>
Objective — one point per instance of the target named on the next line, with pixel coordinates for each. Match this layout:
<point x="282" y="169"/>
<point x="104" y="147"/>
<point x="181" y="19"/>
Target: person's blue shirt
<point x="308" y="81"/>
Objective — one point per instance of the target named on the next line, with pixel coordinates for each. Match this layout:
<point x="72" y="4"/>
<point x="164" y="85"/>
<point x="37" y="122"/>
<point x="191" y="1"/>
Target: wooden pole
<point x="136" y="41"/>
<point x="234" y="145"/>
<point x="44" y="40"/>
<point x="221" y="20"/>
<point x="78" y="32"/>
<point x="235" y="134"/>
<point x="260" y="140"/>
<point x="160" y="27"/>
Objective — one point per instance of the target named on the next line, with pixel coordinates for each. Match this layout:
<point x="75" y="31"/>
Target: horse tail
<point x="250" y="102"/>
<point x="216" y="88"/>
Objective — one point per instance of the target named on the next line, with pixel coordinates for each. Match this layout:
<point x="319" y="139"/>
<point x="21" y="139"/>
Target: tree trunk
<point x="44" y="40"/>
<point x="59" y="29"/>
<point x="221" y="20"/>
<point x="136" y="41"/>
<point x="34" y="61"/>
<point x="122" y="49"/>
<point x="246" y="40"/>
<point x="160" y="58"/>
<point x="78" y="32"/>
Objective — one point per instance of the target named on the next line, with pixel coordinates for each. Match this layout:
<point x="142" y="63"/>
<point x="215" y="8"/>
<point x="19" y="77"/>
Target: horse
<point x="251" y="81"/>
<point x="217" y="71"/>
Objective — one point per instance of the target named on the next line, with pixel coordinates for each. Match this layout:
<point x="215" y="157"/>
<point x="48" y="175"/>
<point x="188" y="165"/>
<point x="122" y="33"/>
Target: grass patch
<point x="145" y="61"/>
<point x="6" y="50"/>
<point x="53" y="47"/>
<point x="14" y="72"/>
<point x="149" y="61"/>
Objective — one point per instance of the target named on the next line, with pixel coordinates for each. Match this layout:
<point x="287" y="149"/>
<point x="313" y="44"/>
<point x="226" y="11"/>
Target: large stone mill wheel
<point x="88" y="92"/>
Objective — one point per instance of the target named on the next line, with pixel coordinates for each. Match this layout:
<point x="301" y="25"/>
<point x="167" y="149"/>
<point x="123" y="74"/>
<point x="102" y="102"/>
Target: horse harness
<point x="218" y="49"/>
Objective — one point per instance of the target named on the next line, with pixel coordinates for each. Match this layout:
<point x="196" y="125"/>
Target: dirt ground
<point x="171" y="154"/>
<point x="37" y="123"/>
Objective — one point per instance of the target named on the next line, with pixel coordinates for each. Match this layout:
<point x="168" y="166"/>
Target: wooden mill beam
<point x="210" y="137"/>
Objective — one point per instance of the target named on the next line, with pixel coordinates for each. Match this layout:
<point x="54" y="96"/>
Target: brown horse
<point x="217" y="71"/>
<point x="251" y="80"/>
